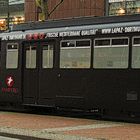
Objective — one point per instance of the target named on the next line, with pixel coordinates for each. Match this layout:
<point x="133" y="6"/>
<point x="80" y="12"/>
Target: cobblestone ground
<point x="65" y="128"/>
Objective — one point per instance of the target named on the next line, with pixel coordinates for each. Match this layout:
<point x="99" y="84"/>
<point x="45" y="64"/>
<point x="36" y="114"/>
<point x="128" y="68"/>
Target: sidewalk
<point x="64" y="128"/>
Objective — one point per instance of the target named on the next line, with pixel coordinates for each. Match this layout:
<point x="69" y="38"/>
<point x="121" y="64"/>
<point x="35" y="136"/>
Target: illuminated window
<point x="124" y="7"/>
<point x="15" y="8"/>
<point x="2" y="24"/>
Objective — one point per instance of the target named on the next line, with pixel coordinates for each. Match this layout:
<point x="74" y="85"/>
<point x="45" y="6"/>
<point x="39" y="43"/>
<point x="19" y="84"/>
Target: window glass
<point x="31" y="57"/>
<point x="70" y="43"/>
<point x="82" y="43"/>
<point x="75" y="57"/>
<point x="120" y="41"/>
<point x="123" y="7"/>
<point x="136" y="41"/>
<point x="111" y="56"/>
<point x="12" y="56"/>
<point x="136" y="53"/>
<point x="102" y="42"/>
<point x="47" y="56"/>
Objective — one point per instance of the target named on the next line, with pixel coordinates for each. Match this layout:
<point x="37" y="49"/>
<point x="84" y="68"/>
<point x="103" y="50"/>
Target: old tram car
<point x="89" y="64"/>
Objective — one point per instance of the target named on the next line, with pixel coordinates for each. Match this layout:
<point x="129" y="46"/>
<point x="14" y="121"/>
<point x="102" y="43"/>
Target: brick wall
<point x="30" y="10"/>
<point x="69" y="8"/>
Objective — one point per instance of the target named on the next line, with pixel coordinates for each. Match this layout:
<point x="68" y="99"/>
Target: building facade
<point x="67" y="9"/>
<point x="12" y="12"/>
<point x="18" y="11"/>
<point x="123" y="7"/>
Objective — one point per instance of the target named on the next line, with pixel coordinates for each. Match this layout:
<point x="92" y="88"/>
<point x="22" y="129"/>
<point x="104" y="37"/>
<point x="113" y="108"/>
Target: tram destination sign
<point x="34" y="35"/>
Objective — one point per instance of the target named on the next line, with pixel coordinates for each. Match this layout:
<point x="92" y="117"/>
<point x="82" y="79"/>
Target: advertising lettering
<point x="73" y="33"/>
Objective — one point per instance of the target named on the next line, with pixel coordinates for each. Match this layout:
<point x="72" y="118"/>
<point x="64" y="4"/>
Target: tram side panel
<point x="114" y="84"/>
<point x="11" y="54"/>
<point x="115" y="92"/>
<point x="73" y="73"/>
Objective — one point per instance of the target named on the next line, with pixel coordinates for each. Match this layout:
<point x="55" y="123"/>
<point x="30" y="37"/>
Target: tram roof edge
<point x="78" y="21"/>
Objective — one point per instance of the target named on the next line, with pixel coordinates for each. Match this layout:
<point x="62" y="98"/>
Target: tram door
<point x="39" y="74"/>
<point x="47" y="74"/>
<point x="30" y="73"/>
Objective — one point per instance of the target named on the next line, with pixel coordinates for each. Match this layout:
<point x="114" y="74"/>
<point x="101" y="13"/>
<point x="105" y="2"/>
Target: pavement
<point x="50" y="127"/>
<point x="6" y="136"/>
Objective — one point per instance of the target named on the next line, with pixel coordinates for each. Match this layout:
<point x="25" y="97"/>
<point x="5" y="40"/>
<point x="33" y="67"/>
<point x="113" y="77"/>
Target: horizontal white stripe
<point x="7" y="138"/>
<point x="93" y="126"/>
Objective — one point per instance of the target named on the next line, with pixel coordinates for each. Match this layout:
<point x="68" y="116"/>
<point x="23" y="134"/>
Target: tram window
<point x="136" y="53"/>
<point x="102" y="42"/>
<point x="136" y="41"/>
<point x="12" y="56"/>
<point x="119" y="41"/>
<point x="47" y="57"/>
<point x="75" y="57"/>
<point x="113" y="56"/>
<point x="70" y="43"/>
<point x="31" y="57"/>
<point x="82" y="43"/>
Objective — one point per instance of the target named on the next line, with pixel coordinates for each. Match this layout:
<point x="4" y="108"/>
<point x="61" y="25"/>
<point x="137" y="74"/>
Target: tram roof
<point x="80" y="21"/>
<point x="67" y="27"/>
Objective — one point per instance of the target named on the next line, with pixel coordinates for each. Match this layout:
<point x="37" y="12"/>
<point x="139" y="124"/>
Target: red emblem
<point x="9" y="81"/>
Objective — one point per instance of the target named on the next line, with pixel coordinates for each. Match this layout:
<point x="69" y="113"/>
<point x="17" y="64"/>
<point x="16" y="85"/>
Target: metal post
<point x="8" y="16"/>
<point x="126" y="8"/>
<point x="106" y="7"/>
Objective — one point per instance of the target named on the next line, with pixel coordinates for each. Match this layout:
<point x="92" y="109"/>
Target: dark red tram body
<point x="88" y="64"/>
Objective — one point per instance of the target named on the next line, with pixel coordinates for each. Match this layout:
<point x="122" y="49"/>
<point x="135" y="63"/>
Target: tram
<point x="91" y="64"/>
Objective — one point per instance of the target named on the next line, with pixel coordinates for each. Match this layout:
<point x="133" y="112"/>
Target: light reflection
<point x="121" y="11"/>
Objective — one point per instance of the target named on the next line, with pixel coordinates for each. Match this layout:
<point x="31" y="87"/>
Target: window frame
<point x="30" y="49"/>
<point x="95" y="46"/>
<point x="111" y="46"/>
<point x="17" y="66"/>
<point x="134" y="45"/>
<point x="42" y="46"/>
<point x="76" y="47"/>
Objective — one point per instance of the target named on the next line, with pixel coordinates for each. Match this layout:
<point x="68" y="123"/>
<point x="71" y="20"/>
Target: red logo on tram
<point x="35" y="36"/>
<point x="10" y="81"/>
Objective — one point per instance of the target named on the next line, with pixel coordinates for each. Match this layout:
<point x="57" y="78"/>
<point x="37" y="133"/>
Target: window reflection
<point x="125" y="7"/>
